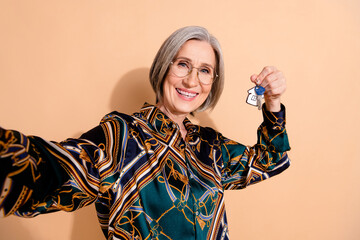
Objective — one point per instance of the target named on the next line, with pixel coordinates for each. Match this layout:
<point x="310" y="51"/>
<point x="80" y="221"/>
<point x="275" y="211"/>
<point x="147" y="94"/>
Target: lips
<point x="186" y="94"/>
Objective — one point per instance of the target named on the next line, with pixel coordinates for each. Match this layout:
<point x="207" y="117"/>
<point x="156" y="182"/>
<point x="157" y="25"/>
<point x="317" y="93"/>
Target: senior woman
<point x="152" y="174"/>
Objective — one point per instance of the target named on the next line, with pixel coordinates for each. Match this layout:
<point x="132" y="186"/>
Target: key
<point x="259" y="90"/>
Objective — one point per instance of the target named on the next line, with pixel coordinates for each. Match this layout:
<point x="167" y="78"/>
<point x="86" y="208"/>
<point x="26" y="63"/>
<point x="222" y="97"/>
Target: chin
<point x="187" y="108"/>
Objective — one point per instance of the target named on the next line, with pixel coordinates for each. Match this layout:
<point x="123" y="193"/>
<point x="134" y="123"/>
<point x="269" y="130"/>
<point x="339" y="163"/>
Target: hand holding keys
<point x="271" y="79"/>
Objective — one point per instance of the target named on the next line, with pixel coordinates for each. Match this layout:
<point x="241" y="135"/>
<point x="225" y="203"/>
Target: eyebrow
<point x="189" y="60"/>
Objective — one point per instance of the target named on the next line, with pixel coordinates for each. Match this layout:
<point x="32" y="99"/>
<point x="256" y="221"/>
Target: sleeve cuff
<point x="274" y="120"/>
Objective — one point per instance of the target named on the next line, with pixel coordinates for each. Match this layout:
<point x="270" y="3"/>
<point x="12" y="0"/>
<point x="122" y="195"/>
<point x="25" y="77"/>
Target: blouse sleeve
<point x="243" y="165"/>
<point x="39" y="176"/>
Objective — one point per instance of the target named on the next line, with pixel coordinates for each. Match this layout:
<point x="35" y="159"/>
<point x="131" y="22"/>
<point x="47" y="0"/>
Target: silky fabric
<point x="147" y="182"/>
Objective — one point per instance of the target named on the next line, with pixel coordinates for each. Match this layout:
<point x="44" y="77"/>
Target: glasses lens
<point x="205" y="77"/>
<point x="182" y="68"/>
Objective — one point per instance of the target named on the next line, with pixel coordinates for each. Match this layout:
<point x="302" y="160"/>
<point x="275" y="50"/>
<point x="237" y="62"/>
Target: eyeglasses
<point x="182" y="68"/>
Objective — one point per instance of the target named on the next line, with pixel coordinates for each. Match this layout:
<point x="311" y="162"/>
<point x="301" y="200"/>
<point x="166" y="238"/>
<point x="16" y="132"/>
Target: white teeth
<point x="186" y="94"/>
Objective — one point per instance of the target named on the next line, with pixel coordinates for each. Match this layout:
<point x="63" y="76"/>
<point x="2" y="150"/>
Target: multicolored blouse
<point x="146" y="181"/>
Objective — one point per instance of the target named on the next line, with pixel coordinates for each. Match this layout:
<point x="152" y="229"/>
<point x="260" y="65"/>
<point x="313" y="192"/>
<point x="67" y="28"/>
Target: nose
<point x="191" y="80"/>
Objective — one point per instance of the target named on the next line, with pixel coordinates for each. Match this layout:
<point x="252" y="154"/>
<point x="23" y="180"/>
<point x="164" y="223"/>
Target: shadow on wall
<point x="86" y="224"/>
<point x="128" y="96"/>
<point x="7" y="232"/>
<point x="132" y="91"/>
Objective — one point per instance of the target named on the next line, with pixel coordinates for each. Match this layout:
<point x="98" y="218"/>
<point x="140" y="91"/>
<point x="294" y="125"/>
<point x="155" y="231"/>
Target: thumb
<point x="253" y="78"/>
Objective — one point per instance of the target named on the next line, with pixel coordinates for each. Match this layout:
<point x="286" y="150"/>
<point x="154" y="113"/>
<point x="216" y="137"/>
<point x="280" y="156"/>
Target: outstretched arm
<point x="248" y="165"/>
<point x="39" y="176"/>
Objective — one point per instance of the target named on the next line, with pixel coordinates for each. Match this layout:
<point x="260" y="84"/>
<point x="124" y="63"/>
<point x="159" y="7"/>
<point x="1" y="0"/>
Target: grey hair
<point x="168" y="52"/>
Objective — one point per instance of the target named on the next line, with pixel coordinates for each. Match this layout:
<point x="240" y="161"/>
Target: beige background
<point x="64" y="64"/>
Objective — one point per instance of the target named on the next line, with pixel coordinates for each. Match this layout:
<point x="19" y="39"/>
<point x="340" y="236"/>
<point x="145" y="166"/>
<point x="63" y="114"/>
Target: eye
<point x="183" y="65"/>
<point x="205" y="71"/>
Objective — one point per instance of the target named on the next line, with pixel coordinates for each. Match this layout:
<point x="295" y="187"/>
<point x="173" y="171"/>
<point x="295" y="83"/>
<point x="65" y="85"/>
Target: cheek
<point x="206" y="90"/>
<point x="209" y="93"/>
<point x="167" y="87"/>
<point x="170" y="82"/>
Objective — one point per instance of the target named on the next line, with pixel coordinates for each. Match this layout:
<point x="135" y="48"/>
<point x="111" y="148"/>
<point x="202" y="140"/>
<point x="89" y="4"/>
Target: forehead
<point x="198" y="52"/>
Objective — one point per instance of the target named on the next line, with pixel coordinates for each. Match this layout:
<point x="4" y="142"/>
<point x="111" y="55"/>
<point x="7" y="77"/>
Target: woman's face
<point x="183" y="95"/>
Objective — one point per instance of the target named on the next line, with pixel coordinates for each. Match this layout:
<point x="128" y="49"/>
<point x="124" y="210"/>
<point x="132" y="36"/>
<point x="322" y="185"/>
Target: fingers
<point x="274" y="83"/>
<point x="266" y="75"/>
<point x="271" y="79"/>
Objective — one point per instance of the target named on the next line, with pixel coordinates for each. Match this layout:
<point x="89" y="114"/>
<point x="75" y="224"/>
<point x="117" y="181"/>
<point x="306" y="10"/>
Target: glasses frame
<point x="197" y="72"/>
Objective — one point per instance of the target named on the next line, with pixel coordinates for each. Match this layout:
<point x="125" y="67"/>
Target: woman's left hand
<point x="274" y="83"/>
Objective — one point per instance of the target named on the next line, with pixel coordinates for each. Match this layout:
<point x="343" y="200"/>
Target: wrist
<point x="273" y="106"/>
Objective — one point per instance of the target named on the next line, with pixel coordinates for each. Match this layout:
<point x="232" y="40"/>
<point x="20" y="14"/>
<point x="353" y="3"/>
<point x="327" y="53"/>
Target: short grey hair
<point x="168" y="51"/>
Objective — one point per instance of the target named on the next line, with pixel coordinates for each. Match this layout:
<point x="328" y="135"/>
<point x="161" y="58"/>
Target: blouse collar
<point x="160" y="122"/>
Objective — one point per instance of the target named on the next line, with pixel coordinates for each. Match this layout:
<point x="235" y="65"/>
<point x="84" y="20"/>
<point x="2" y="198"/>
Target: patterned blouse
<point x="146" y="181"/>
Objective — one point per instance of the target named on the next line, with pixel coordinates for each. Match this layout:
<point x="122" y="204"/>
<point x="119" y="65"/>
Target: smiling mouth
<point x="186" y="94"/>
